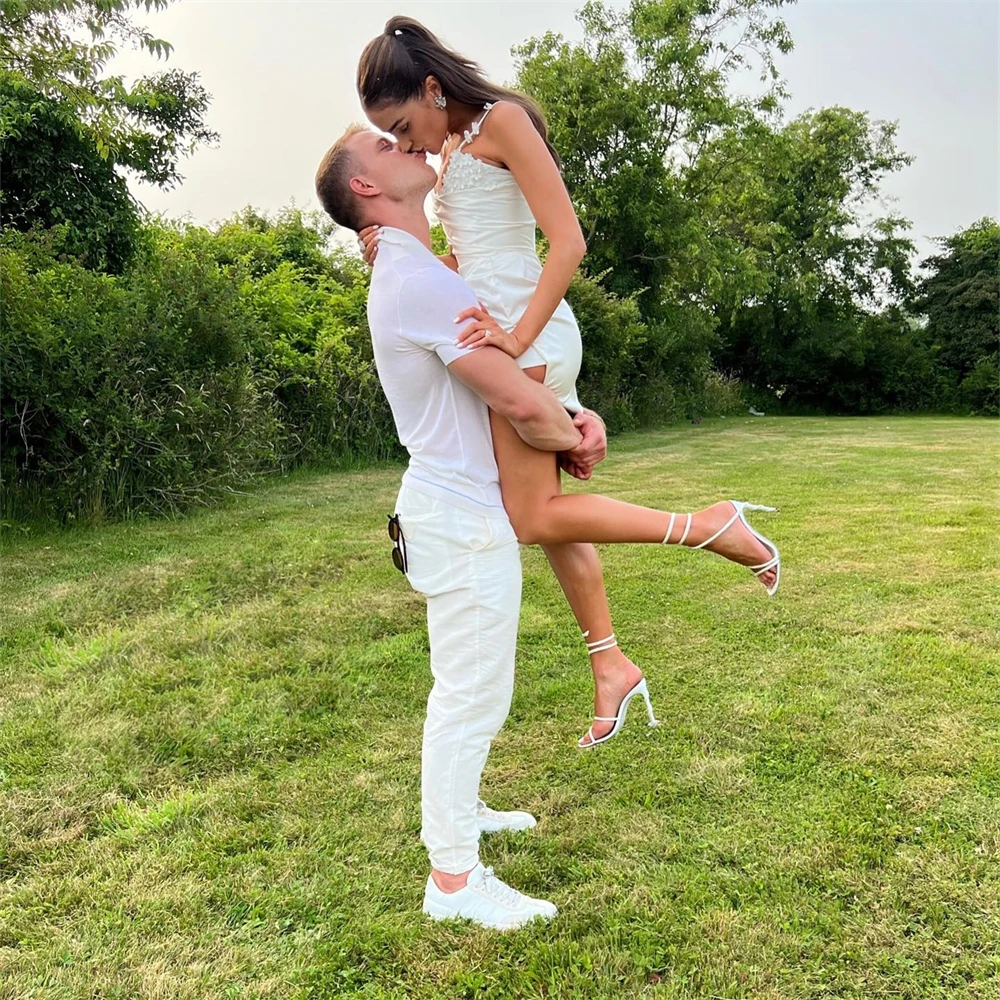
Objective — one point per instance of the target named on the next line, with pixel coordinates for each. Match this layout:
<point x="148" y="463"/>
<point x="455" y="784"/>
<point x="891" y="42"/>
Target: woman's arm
<point x="515" y="142"/>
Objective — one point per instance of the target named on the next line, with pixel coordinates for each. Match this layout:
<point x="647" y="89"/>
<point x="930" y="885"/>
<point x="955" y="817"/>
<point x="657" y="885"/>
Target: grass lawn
<point x="210" y="731"/>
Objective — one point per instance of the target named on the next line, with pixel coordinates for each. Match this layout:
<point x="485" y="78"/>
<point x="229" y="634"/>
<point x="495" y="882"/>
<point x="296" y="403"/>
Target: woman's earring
<point x="440" y="101"/>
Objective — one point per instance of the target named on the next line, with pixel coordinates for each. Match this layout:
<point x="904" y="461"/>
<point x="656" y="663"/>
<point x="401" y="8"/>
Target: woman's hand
<point x="485" y="331"/>
<point x="368" y="243"/>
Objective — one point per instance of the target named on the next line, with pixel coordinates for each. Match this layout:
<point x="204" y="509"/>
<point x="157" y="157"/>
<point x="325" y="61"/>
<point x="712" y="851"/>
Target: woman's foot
<point x="614" y="676"/>
<point x="736" y="544"/>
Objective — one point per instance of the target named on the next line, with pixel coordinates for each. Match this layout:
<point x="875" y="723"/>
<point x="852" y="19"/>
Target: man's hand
<point x="580" y="462"/>
<point x="572" y="469"/>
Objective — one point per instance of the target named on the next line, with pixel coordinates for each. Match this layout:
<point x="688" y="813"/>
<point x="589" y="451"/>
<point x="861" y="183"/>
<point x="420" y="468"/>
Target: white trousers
<point x="469" y="569"/>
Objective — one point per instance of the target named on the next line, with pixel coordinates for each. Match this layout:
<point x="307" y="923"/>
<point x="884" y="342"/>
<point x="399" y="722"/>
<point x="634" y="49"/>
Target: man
<point x="458" y="547"/>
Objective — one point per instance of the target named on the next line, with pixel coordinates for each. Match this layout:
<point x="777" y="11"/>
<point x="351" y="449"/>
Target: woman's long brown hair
<point x="395" y="64"/>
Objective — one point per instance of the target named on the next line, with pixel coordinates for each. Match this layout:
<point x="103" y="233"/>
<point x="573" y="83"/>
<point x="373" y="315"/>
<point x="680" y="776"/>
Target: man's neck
<point x="411" y="220"/>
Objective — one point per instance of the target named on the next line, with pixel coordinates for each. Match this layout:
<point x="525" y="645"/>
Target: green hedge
<point x="222" y="355"/>
<point x="127" y="395"/>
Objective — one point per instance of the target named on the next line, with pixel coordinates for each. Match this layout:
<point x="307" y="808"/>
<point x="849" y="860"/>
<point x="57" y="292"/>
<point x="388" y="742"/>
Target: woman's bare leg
<point x="541" y="515"/>
<point x="566" y="529"/>
<point x="577" y="566"/>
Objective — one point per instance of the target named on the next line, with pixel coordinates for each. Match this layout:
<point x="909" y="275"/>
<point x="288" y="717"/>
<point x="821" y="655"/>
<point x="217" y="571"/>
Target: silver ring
<point x="361" y="244"/>
<point x="488" y="334"/>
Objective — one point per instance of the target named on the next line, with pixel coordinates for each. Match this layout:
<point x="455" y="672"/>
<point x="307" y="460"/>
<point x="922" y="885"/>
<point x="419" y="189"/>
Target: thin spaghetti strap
<point x="471" y="134"/>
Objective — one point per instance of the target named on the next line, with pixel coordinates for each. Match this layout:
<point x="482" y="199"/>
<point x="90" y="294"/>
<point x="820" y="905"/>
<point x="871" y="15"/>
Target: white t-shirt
<point x="442" y="423"/>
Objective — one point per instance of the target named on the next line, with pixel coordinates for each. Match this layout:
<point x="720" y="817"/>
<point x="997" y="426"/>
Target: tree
<point x="631" y="108"/>
<point x="146" y="127"/>
<point x="55" y="178"/>
<point x="961" y="299"/>
<point x="68" y="131"/>
<point x="743" y="236"/>
<point x="802" y="261"/>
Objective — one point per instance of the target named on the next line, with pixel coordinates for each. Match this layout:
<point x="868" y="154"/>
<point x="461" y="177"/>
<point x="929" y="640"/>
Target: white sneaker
<point x="486" y="901"/>
<point x="491" y="821"/>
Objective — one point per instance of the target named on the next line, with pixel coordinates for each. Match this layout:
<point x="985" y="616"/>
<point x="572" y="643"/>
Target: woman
<point x="499" y="176"/>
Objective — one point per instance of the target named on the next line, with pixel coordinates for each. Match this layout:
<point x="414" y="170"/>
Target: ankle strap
<point x="670" y="530"/>
<point x="687" y="528"/>
<point x="600" y="645"/>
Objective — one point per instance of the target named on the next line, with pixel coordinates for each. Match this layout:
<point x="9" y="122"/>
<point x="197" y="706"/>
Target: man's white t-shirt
<point x="442" y="423"/>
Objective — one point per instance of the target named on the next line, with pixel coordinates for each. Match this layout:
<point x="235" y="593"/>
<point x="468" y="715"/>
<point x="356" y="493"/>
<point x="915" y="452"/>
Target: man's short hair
<point x="333" y="182"/>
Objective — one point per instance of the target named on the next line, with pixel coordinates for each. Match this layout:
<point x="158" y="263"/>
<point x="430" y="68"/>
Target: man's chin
<point x="427" y="183"/>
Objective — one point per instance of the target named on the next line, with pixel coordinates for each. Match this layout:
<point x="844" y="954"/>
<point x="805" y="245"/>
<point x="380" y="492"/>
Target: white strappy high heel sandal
<point x="740" y="506"/>
<point x="619" y="720"/>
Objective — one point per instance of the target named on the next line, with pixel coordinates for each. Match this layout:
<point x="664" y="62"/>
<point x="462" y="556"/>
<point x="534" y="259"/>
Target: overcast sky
<point x="281" y="73"/>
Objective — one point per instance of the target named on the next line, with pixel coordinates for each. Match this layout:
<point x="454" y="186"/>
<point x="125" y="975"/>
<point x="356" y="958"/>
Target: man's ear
<point x="363" y="187"/>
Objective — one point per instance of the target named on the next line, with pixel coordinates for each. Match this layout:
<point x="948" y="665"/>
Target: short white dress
<point x="492" y="234"/>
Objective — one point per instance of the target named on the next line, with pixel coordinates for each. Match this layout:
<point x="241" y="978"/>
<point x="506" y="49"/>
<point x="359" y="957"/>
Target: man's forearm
<point x="548" y="427"/>
<point x="532" y="408"/>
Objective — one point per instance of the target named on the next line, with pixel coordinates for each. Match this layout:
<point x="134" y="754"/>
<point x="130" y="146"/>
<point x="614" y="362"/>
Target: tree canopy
<point x="961" y="298"/>
<point x="753" y="240"/>
<point x="70" y="132"/>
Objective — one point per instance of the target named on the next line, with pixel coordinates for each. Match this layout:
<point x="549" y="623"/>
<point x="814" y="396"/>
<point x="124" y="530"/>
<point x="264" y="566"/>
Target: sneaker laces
<point x="498" y="889"/>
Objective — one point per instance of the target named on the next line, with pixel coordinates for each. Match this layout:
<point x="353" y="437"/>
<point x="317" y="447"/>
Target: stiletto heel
<point x="653" y="720"/>
<point x="739" y="507"/>
<point x="619" y="719"/>
<point x="598" y="646"/>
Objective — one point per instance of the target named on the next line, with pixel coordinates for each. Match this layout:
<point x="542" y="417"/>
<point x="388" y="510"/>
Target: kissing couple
<point x="478" y="354"/>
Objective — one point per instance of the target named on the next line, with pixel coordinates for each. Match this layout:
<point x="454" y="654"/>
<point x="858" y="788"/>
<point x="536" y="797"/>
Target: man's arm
<point x="532" y="409"/>
<point x="432" y="298"/>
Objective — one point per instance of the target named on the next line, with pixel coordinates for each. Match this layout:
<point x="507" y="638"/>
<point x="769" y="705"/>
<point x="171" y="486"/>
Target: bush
<point x="639" y="374"/>
<point x="221" y="355"/>
<point x="108" y="412"/>
<point x="980" y="389"/>
<point x="613" y="336"/>
<point x="215" y="358"/>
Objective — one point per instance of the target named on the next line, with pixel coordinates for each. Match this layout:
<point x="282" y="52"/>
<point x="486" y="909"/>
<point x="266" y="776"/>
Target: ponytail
<point x="395" y="65"/>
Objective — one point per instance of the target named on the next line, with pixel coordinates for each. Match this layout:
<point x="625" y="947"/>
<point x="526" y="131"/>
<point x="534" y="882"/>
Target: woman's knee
<point x="531" y="525"/>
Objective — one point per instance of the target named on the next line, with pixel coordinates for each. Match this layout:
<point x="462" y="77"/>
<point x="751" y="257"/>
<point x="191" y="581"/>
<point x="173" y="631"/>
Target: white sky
<point x="281" y="73"/>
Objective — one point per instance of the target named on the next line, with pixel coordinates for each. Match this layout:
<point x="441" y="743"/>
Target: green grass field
<point x="210" y="730"/>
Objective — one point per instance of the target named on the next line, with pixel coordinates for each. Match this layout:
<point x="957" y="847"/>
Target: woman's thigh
<point x="528" y="477"/>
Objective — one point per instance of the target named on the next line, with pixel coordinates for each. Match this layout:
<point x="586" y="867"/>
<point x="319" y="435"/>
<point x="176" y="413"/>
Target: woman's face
<point x="419" y="125"/>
